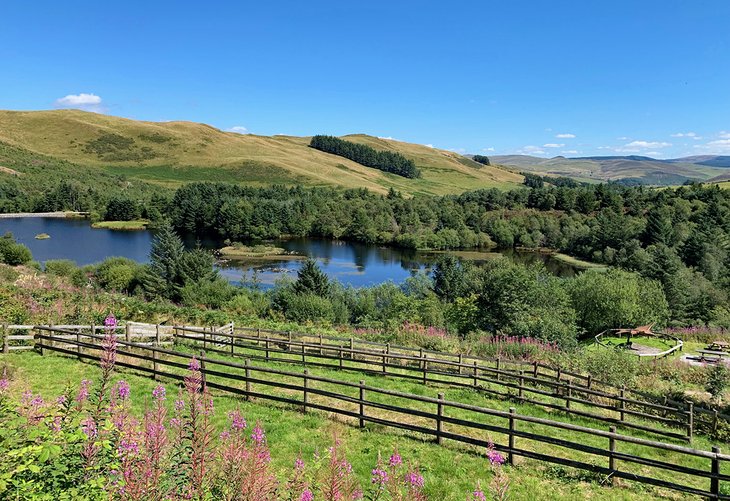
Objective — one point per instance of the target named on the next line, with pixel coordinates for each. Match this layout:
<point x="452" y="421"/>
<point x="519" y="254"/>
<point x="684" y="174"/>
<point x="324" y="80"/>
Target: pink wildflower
<point x="306" y="495"/>
<point x="379" y="476"/>
<point x="414" y="479"/>
<point x="159" y="393"/>
<point x="123" y="389"/>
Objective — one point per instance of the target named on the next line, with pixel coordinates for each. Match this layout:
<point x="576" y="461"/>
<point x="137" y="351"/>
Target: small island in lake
<point x="42" y="236"/>
<point x="239" y="251"/>
<point x="135" y="224"/>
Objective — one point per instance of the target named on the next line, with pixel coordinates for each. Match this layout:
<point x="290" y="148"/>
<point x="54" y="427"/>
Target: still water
<point x="351" y="263"/>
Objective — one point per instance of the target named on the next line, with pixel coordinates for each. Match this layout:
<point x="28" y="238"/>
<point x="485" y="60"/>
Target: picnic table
<point x="642" y="330"/>
<point x="719" y="346"/>
<point x="711" y="355"/>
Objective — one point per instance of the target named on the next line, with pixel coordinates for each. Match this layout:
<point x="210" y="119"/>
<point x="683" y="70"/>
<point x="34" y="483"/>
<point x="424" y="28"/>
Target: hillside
<point x="629" y="169"/>
<point x="172" y="153"/>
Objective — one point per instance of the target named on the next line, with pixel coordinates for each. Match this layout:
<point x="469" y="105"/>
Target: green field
<point x="450" y="471"/>
<point x="174" y="153"/>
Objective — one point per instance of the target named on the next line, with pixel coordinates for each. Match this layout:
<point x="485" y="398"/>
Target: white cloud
<point x="569" y="152"/>
<point x="553" y="145"/>
<point x="724" y="134"/>
<point x="640" y="146"/>
<point x="429" y="145"/>
<point x="716" y="146"/>
<point x="238" y="129"/>
<point x="86" y="102"/>
<point x="623" y="138"/>
<point x="531" y="150"/>
<point x="693" y="135"/>
<point x="565" y="135"/>
<point x="488" y="149"/>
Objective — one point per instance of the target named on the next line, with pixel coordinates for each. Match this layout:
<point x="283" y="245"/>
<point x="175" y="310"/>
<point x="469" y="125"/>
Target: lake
<point x="351" y="263"/>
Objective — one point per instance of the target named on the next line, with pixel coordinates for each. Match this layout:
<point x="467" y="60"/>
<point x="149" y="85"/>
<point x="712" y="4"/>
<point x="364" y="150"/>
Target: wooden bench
<point x="711" y="355"/>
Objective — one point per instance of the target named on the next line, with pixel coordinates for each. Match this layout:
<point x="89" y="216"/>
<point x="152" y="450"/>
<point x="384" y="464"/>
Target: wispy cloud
<point x="553" y="145"/>
<point x="641" y="146"/>
<point x="565" y="135"/>
<point x="238" y="129"/>
<point x="692" y="135"/>
<point x="569" y="152"/>
<point x="531" y="150"/>
<point x="717" y="146"/>
<point x="429" y="145"/>
<point x="488" y="149"/>
<point x="86" y="102"/>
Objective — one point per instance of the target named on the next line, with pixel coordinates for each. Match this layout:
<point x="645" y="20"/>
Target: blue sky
<point x="541" y="77"/>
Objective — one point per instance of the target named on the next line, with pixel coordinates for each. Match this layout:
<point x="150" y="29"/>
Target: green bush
<point x="61" y="267"/>
<point x="118" y="274"/>
<point x="609" y="365"/>
<point x="212" y="294"/>
<point x="13" y="253"/>
<point x="308" y="308"/>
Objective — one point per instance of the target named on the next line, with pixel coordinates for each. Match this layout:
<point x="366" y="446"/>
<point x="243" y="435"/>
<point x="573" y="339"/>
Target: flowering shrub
<point x="515" y="348"/>
<point x="87" y="444"/>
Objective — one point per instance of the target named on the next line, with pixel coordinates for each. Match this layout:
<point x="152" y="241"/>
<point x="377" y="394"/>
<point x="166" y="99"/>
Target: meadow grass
<point x="450" y="471"/>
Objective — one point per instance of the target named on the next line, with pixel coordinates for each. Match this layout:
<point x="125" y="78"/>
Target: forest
<point x="387" y="161"/>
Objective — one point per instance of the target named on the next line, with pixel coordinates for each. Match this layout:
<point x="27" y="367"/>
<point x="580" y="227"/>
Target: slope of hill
<point x="172" y="153"/>
<point x="628" y="169"/>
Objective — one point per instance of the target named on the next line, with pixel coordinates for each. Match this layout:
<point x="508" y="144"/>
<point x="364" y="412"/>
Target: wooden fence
<point x="556" y="387"/>
<point x="544" y="392"/>
<point x="661" y="464"/>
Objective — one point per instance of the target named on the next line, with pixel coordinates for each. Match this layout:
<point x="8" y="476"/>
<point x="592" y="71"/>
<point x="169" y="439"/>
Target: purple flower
<point x="395" y="459"/>
<point x="61" y="400"/>
<point x="179" y="405"/>
<point x="237" y="420"/>
<point x="88" y="426"/>
<point x="4" y="382"/>
<point x="258" y="435"/>
<point x="83" y="394"/>
<point x="306" y="495"/>
<point x="299" y="464"/>
<point x="379" y="476"/>
<point x="194" y="364"/>
<point x="159" y="393"/>
<point x="123" y="390"/>
<point x="110" y="322"/>
<point x="478" y="495"/>
<point x="495" y="458"/>
<point x="414" y="479"/>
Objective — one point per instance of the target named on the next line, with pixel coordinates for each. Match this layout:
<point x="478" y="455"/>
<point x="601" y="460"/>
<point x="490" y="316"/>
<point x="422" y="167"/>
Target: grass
<point x="42" y="236"/>
<point x="173" y="153"/>
<point x="137" y="224"/>
<point x="244" y="252"/>
<point x="450" y="471"/>
<point x="579" y="263"/>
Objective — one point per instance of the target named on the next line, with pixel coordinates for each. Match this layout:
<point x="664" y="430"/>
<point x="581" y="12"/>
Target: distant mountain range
<point x="631" y="169"/>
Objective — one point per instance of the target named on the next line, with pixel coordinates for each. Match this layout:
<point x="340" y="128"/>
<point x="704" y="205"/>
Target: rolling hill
<point x="173" y="153"/>
<point x="628" y="169"/>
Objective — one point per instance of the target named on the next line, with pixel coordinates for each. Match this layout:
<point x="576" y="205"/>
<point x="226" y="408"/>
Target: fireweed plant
<point x="86" y="444"/>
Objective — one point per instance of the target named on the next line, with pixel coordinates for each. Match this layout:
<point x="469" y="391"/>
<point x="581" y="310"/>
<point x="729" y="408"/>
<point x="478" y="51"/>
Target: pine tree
<point x="312" y="280"/>
<point x="162" y="277"/>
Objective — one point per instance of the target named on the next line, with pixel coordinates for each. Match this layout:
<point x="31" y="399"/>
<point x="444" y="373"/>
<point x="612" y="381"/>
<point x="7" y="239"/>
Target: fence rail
<point x="431" y="370"/>
<point x="424" y="415"/>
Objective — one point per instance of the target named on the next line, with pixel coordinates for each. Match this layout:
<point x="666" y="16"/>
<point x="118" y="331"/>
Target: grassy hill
<point x="173" y="153"/>
<point x="641" y="170"/>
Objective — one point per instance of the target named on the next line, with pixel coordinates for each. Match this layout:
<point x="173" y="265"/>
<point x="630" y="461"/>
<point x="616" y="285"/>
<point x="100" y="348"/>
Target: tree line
<point x="387" y="161"/>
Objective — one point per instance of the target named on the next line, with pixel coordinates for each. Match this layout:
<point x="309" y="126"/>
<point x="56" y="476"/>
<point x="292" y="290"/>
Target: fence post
<point x="352" y="348"/>
<point x="559" y="373"/>
<point x="362" y="403"/>
<point x="157" y="334"/>
<point x="475" y="373"/>
<point x="267" y="349"/>
<point x="40" y="345"/>
<point x="340" y="357"/>
<point x="461" y="361"/>
<point x="306" y="384"/>
<point x="154" y="366"/>
<point x="288" y="333"/>
<point x="304" y="362"/>
<point x="568" y="395"/>
<point x="420" y="354"/>
<point x="496" y="366"/>
<point x="714" y="421"/>
<point x="534" y="369"/>
<point x="439" y="415"/>
<point x="611" y="452"/>
<point x="690" y="420"/>
<point x="511" y="443"/>
<point x="385" y="368"/>
<point x="202" y="369"/>
<point x="320" y="344"/>
<point x="127" y="332"/>
<point x="387" y="351"/>
<point x="233" y="344"/>
<point x="425" y="369"/>
<point x="248" y="379"/>
<point x="622" y="403"/>
<point x="522" y="385"/>
<point x="715" y="470"/>
<point x="6" y="341"/>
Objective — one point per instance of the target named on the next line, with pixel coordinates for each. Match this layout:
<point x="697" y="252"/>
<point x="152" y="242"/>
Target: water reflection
<point x="350" y="263"/>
